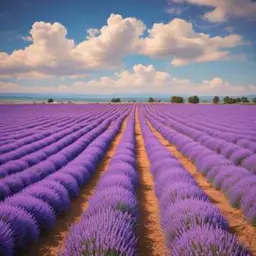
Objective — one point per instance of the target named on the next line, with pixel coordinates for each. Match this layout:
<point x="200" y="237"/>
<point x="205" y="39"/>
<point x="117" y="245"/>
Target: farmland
<point x="127" y="179"/>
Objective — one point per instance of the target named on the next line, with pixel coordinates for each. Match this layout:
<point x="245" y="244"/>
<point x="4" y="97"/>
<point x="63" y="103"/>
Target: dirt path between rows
<point x="244" y="231"/>
<point x="50" y="243"/>
<point x="151" y="237"/>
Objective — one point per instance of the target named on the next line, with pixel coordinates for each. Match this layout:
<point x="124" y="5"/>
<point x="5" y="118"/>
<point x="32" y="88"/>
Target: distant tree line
<point x="151" y="100"/>
<point x="194" y="99"/>
<point x="116" y="100"/>
<point x="215" y="100"/>
<point x="177" y="99"/>
<point x="230" y="100"/>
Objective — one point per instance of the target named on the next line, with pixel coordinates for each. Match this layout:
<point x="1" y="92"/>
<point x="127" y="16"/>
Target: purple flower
<point x="204" y="164"/>
<point x="180" y="191"/>
<point x="67" y="181"/>
<point x="185" y="214"/>
<point x="208" y="240"/>
<point x="47" y="195"/>
<point x="23" y="225"/>
<point x="109" y="232"/>
<point x="238" y="190"/>
<point x="6" y="239"/>
<point x="41" y="211"/>
<point x="226" y="172"/>
<point x="248" y="205"/>
<point x="250" y="163"/>
<point x="239" y="155"/>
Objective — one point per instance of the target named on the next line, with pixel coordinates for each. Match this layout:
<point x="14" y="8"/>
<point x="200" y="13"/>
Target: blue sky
<point x="169" y="46"/>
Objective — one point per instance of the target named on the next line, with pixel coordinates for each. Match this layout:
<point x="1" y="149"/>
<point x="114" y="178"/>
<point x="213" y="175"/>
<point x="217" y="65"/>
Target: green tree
<point x="50" y="100"/>
<point x="244" y="100"/>
<point x="226" y="100"/>
<point x="194" y="99"/>
<point x="254" y="100"/>
<point x="150" y="100"/>
<point x="177" y="99"/>
<point x="116" y="100"/>
<point x="216" y="100"/>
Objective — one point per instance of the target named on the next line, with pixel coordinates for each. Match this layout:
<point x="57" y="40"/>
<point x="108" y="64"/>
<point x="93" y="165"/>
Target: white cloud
<point x="141" y="79"/>
<point x="224" y="9"/>
<point x="109" y="45"/>
<point x="179" y="41"/>
<point x="175" y="10"/>
<point x="51" y="53"/>
<point x="26" y="38"/>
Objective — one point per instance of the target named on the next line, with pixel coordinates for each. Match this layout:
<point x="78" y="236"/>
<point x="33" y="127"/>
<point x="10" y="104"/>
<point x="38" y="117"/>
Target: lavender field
<point x="127" y="179"/>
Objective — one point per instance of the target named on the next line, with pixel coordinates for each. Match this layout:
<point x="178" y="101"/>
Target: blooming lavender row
<point x="235" y="122"/>
<point x="191" y="223"/>
<point x="46" y="139"/>
<point x="38" y="151"/>
<point x="237" y="183"/>
<point x="27" y="117"/>
<point x="245" y="141"/>
<point x="243" y="138"/>
<point x="9" y="140"/>
<point x="42" y="125"/>
<point x="15" y="182"/>
<point x="54" y="128"/>
<point x="246" y="157"/>
<point x="24" y="216"/>
<point x="107" y="227"/>
<point x="21" y="132"/>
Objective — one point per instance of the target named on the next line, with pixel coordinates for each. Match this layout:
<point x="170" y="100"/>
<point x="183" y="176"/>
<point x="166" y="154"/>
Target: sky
<point x="203" y="47"/>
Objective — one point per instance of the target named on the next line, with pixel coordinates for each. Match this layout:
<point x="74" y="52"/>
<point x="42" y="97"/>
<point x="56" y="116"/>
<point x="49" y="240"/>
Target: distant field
<point x="127" y="179"/>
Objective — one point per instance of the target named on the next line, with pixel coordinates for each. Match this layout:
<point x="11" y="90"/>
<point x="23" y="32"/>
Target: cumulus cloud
<point x="224" y="9"/>
<point x="26" y="38"/>
<point x="179" y="41"/>
<point x="140" y="79"/>
<point x="51" y="53"/>
<point x="109" y="45"/>
<point x="175" y="10"/>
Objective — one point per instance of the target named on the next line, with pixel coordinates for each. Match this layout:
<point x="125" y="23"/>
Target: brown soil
<point x="50" y="243"/>
<point x="244" y="231"/>
<point x="151" y="237"/>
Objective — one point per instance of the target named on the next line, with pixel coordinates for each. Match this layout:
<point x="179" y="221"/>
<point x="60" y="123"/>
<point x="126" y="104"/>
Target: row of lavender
<point x="42" y="194"/>
<point x="33" y="167"/>
<point x="191" y="223"/>
<point x="36" y="151"/>
<point x="17" y="117"/>
<point x="237" y="148"/>
<point x="108" y="226"/>
<point x="27" y="132"/>
<point x="236" y="122"/>
<point x="237" y="183"/>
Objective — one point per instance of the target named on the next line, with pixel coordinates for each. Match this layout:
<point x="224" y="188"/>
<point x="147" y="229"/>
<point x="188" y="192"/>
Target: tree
<point x="115" y="100"/>
<point x="254" y="100"/>
<point x="177" y="99"/>
<point x="244" y="100"/>
<point x="216" y="100"/>
<point x="150" y="100"/>
<point x="226" y="100"/>
<point x="193" y="99"/>
<point x="50" y="100"/>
